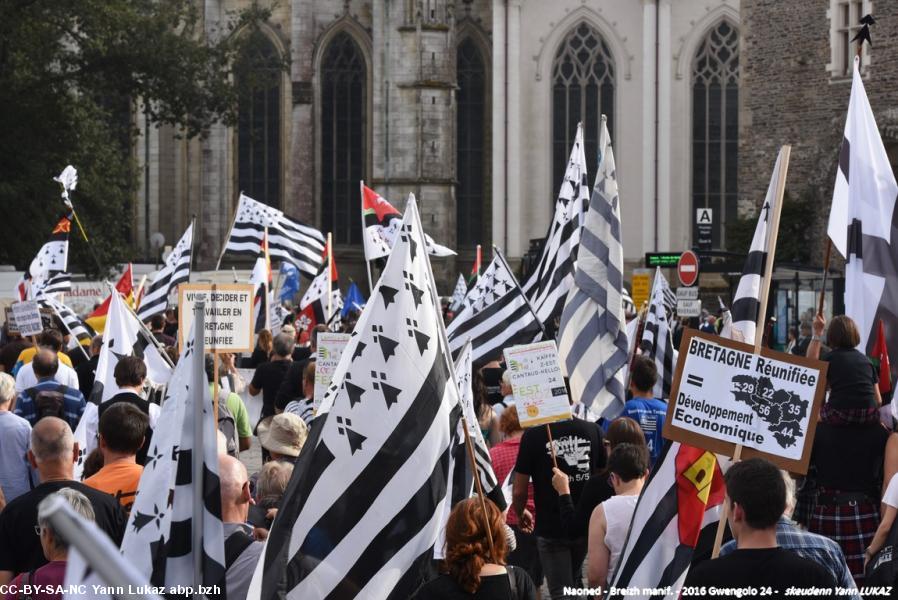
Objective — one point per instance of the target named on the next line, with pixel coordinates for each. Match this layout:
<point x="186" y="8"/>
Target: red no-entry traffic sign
<point x="687" y="268"/>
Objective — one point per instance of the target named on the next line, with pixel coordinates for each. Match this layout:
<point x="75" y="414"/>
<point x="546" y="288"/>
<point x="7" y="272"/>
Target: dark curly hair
<point x="467" y="544"/>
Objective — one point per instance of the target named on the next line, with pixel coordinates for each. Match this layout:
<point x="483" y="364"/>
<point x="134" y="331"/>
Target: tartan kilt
<point x="851" y="525"/>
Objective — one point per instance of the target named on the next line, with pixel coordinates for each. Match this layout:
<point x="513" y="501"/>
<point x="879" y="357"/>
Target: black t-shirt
<point x="20" y="548"/>
<point x="258" y="357"/>
<point x="849" y="457"/>
<point x="144" y="406"/>
<point x="268" y="378"/>
<point x="775" y="568"/>
<point x="492" y="587"/>
<point x="291" y="386"/>
<point x="579" y="452"/>
<point x="87" y="372"/>
<point x="851" y="377"/>
<point x="575" y="519"/>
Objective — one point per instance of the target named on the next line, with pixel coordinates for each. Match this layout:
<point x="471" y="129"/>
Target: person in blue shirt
<point x="643" y="407"/>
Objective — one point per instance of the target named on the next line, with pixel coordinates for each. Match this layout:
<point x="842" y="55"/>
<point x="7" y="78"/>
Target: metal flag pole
<point x="145" y="330"/>
<point x="199" y="387"/>
<point x="230" y="231"/>
<point x="265" y="306"/>
<point x="69" y="329"/>
<point x="330" y="269"/>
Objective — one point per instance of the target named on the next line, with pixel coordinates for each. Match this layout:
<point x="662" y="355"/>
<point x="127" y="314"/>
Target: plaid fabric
<point x="848" y="416"/>
<point x="850" y="525"/>
<point x="821" y="550"/>
<point x="504" y="455"/>
<point x="73" y="403"/>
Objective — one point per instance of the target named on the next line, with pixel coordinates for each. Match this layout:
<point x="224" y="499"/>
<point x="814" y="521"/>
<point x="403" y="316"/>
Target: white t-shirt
<point x="891" y="495"/>
<point x="26" y="378"/>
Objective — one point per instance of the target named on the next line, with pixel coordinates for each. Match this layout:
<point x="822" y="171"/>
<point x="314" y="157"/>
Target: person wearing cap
<point x="283" y="436"/>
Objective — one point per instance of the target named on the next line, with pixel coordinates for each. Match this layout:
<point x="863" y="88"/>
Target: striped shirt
<point x="73" y="402"/>
<point x="303" y="408"/>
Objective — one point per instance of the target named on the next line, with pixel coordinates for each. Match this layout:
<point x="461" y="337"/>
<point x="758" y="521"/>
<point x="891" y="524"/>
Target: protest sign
<point x="330" y="348"/>
<point x="28" y="318"/>
<point x="723" y="394"/>
<point x="229" y="315"/>
<point x="538" y="384"/>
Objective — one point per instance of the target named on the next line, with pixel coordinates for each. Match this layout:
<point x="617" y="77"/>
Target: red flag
<point x="881" y="353"/>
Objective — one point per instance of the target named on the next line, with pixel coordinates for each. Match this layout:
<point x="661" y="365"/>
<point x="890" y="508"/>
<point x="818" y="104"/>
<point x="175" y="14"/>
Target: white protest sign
<point x="538" y="384"/>
<point x="723" y="394"/>
<point x="28" y="317"/>
<point x="330" y="349"/>
<point x="229" y="315"/>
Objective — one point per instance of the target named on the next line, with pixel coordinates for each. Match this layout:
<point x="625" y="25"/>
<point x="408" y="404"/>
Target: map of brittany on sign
<point x="783" y="411"/>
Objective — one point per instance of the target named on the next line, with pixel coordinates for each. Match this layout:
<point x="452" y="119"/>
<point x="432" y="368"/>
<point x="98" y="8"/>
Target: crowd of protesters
<point x="572" y="495"/>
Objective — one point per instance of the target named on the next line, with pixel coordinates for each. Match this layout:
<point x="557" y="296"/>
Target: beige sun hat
<point x="284" y="434"/>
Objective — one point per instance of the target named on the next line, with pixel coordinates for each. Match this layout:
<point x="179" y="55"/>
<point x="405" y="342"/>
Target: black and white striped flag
<point x="548" y="285"/>
<point x="488" y="481"/>
<point x="361" y="514"/>
<point x="747" y="301"/>
<point x="79" y="330"/>
<point x="175" y="271"/>
<point x="863" y="224"/>
<point x="47" y="272"/>
<point x="57" y="283"/>
<point x="592" y="339"/>
<point x="288" y="239"/>
<point x="158" y="539"/>
<point x="657" y="342"/>
<point x="494" y="315"/>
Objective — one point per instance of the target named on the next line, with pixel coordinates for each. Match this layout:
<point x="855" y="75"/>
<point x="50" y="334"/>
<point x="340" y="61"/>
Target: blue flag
<point x="291" y="281"/>
<point x="353" y="301"/>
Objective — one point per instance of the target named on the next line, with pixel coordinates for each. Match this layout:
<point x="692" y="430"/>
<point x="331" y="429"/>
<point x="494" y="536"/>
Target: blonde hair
<point x="7" y="388"/>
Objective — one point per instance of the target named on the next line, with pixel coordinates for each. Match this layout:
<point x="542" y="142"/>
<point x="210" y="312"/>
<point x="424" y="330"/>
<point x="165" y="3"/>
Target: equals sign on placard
<point x="694" y="380"/>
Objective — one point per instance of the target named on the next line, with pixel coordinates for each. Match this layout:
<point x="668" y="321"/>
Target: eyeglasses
<point x="37" y="529"/>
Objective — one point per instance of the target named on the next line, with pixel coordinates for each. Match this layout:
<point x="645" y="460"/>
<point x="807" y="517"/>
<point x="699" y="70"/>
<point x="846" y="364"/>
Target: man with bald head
<point x="53" y="454"/>
<point x="241" y="550"/>
<point x="49" y="397"/>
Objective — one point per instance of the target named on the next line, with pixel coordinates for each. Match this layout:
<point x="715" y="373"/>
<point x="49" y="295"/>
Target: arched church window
<point x="582" y="90"/>
<point x="259" y="122"/>
<point x="471" y="123"/>
<point x="715" y="127"/>
<point x="343" y="143"/>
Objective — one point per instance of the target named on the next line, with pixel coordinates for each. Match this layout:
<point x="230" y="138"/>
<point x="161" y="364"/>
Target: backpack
<point x="48" y="403"/>
<point x="882" y="570"/>
<point x="227" y="424"/>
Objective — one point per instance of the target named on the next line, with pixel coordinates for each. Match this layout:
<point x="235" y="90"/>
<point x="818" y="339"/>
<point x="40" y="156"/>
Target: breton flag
<point x="656" y="341"/>
<point x="360" y="517"/>
<point x="322" y="301"/>
<point x="79" y="330"/>
<point x="488" y="481"/>
<point x="158" y="538"/>
<point x="862" y="223"/>
<point x="680" y="502"/>
<point x="125" y="287"/>
<point x="288" y="239"/>
<point x="747" y="301"/>
<point x="459" y="293"/>
<point x="592" y="339"/>
<point x="261" y="281"/>
<point x="175" y="271"/>
<point x="381" y="223"/>
<point x="47" y="272"/>
<point x="124" y="336"/>
<point x="549" y="284"/>
<point x="494" y="315"/>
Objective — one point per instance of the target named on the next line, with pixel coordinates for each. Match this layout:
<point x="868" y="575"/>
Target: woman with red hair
<point x="472" y="570"/>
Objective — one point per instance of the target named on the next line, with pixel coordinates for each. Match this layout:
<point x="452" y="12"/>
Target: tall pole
<point x="785" y="152"/>
<point x="265" y="306"/>
<point x="230" y="231"/>
<point x="518" y="286"/>
<point x="330" y="269"/>
<point x="199" y="387"/>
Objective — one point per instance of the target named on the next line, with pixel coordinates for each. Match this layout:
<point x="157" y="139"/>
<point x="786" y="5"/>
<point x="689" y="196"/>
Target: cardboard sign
<point x="229" y="315"/>
<point x="537" y="384"/>
<point x="723" y="394"/>
<point x="13" y="327"/>
<point x="642" y="287"/>
<point x="28" y="317"/>
<point x="330" y="349"/>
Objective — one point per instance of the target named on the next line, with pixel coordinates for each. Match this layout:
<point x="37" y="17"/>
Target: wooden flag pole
<point x="551" y="446"/>
<point x="826" y="257"/>
<point x="199" y="384"/>
<point x="367" y="262"/>
<point x="265" y="306"/>
<point x="478" y="486"/>
<point x="143" y="280"/>
<point x="785" y="152"/>
<point x="215" y="385"/>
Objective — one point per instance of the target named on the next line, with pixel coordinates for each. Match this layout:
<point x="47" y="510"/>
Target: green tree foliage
<point x="791" y="244"/>
<point x="72" y="74"/>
